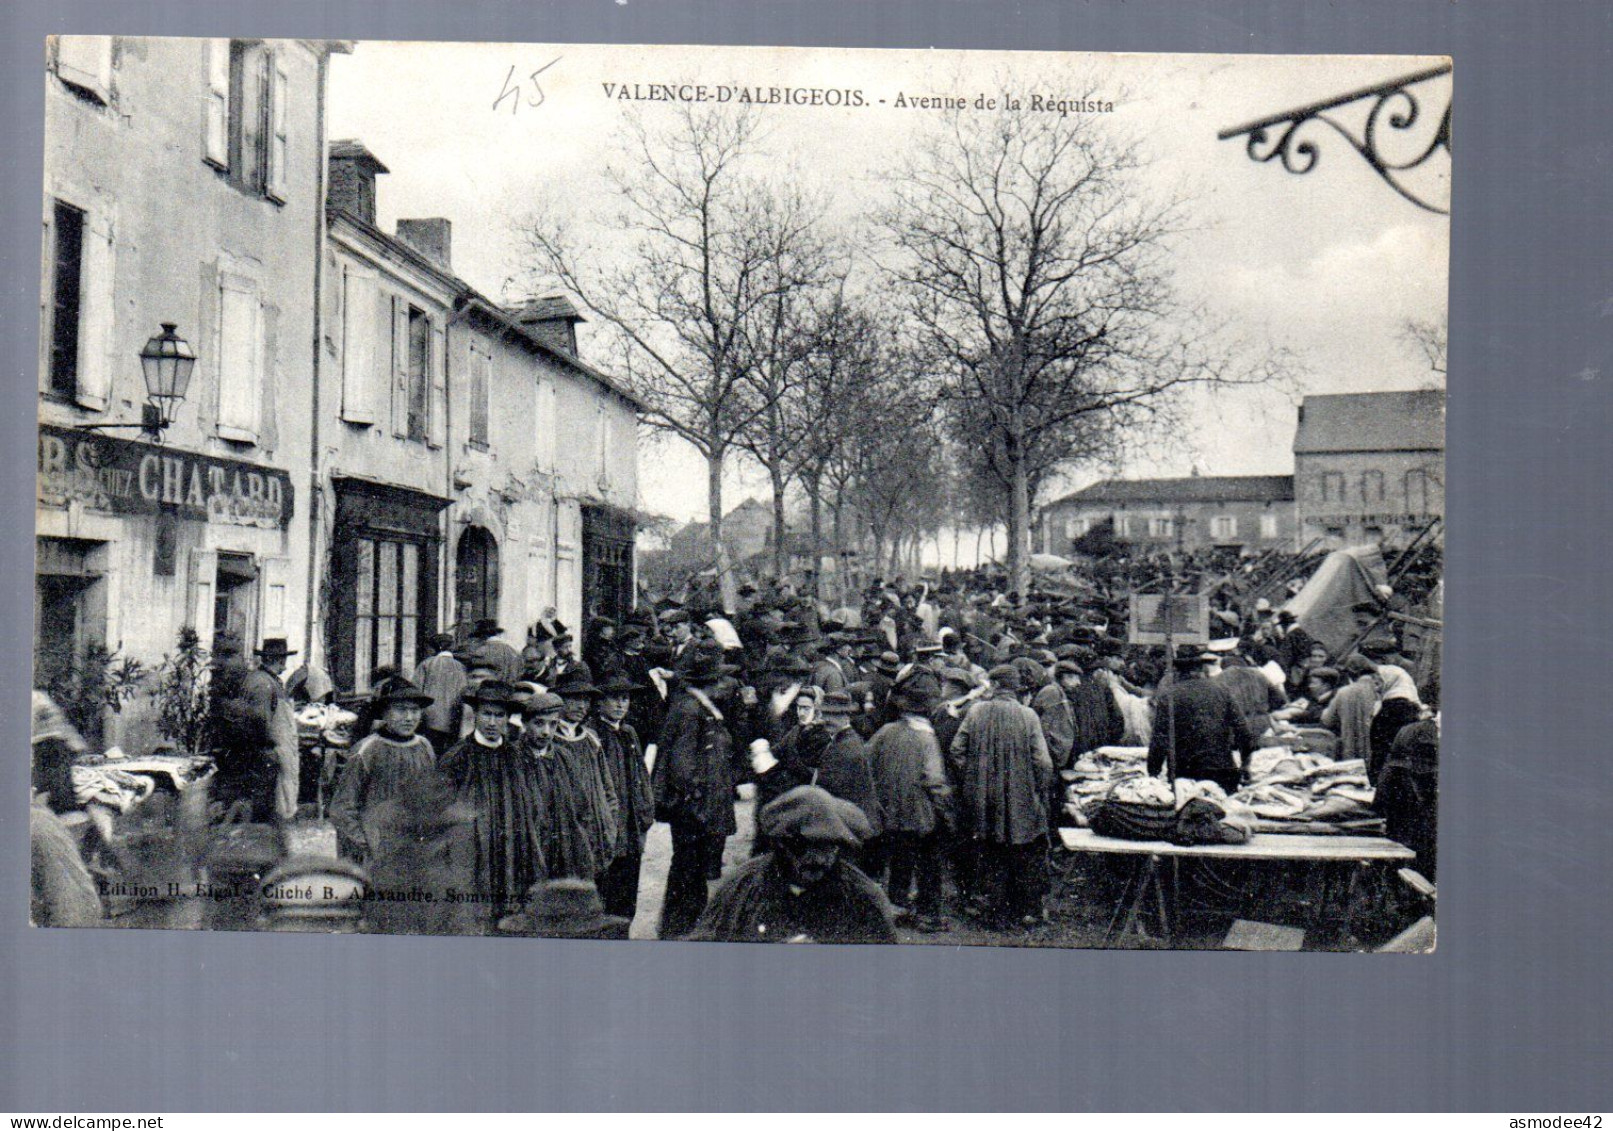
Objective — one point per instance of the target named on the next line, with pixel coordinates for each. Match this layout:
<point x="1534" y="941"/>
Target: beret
<point x="809" y="812"/>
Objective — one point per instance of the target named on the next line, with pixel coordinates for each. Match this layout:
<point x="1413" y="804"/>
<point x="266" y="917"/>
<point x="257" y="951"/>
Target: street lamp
<point x="166" y="361"/>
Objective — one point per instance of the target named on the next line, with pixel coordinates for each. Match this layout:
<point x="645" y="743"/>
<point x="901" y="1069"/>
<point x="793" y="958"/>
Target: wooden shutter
<point x="240" y="358"/>
<point x="547" y="422"/>
<point x="277" y="611"/>
<point x="216" y="110"/>
<point x="437" y="388"/>
<point x="361" y="335"/>
<point x="277" y="144"/>
<point x="203" y="580"/>
<point x="481" y="382"/>
<point x="86" y="62"/>
<point x="400" y="367"/>
<point x="96" y="289"/>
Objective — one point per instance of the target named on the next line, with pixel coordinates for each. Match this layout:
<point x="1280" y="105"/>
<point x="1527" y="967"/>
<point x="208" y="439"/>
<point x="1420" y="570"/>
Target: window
<point x="481" y="368"/>
<point x="1161" y="527"/>
<point x="1417" y="491"/>
<point x="547" y="423"/>
<point x="1122" y="526"/>
<point x="601" y="440"/>
<point x="387" y="596"/>
<point x="1332" y="486"/>
<point x="1223" y="526"/>
<point x="66" y="295"/>
<point x="419" y="374"/>
<point x="1372" y="486"/>
<point x="1076" y="527"/>
<point x="84" y="62"/>
<point x="246" y="113"/>
<point x="1268" y="526"/>
<point x="240" y="358"/>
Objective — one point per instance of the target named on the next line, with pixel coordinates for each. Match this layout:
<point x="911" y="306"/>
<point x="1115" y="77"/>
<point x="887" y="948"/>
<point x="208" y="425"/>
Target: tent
<point x="1342" y="598"/>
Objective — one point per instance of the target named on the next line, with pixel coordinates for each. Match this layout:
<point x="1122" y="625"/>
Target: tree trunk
<point x="781" y="554"/>
<point x="843" y="573"/>
<point x="725" y="575"/>
<point x="1019" y="565"/>
<point x="814" y="488"/>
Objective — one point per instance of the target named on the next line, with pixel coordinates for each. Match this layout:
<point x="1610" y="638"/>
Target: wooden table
<point x="1146" y="890"/>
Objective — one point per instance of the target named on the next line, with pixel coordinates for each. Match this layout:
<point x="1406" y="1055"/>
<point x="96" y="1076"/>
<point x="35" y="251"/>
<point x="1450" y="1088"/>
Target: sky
<point x="1329" y="266"/>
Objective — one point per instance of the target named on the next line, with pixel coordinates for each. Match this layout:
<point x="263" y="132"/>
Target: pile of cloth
<point x="1291" y="792"/>
<point x="1093" y="775"/>
<point x="327" y="723"/>
<point x="1183" y="812"/>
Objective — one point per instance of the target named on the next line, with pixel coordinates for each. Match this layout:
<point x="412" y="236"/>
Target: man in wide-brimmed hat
<point x="489" y="649"/>
<point x="381" y="766"/>
<point x="635" y="799"/>
<point x="565" y="909"/>
<point x="804" y="889"/>
<point x="915" y="799"/>
<point x="1199" y="719"/>
<point x="694" y="788"/>
<point x="263" y="689"/>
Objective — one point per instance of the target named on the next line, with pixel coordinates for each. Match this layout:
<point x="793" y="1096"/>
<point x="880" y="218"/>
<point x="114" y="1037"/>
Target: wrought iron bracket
<point x="1395" y="107"/>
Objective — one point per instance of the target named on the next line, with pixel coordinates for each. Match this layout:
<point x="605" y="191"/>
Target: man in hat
<point x="567" y="908"/>
<point x="489" y="649"/>
<point x="915" y="800"/>
<point x="244" y="701"/>
<point x="380" y="767"/>
<point x="630" y="780"/>
<point x="1004" y="772"/>
<point x="508" y="794"/>
<point x="832" y="671"/>
<point x="1350" y="713"/>
<point x="581" y="754"/>
<point x="804" y="889"/>
<point x="1292" y="645"/>
<point x="829" y="754"/>
<point x="442" y="676"/>
<point x="694" y="787"/>
<point x="263" y="687"/>
<point x="1200" y="719"/>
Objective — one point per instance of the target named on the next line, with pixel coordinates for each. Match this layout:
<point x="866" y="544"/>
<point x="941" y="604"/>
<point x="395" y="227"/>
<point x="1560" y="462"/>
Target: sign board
<point x="1184" y="617"/>
<point x="129" y="477"/>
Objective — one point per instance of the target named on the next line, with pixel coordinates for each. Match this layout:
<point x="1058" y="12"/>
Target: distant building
<point x="1369" y="467"/>
<point x="1201" y="510"/>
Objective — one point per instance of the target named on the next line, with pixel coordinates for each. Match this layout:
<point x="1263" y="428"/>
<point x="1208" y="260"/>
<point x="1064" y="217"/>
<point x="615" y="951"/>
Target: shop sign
<point x="104" y="473"/>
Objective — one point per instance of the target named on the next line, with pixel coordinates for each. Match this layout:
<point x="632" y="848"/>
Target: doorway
<point x="235" y="600"/>
<point x="476" y="580"/>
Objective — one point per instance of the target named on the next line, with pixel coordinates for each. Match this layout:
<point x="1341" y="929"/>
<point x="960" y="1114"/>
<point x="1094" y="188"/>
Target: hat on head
<point x="487" y="626"/>
<point x="960" y="676"/>
<point x="274" y="648"/>
<point x="1190" y="657"/>
<point x="889" y="663"/>
<point x="705" y="665"/>
<point x="574" y="684"/>
<point x="493" y="693"/>
<point x="1005" y="677"/>
<point x="926" y="646"/>
<point x="675" y="615"/>
<point x="1329" y="675"/>
<point x="1031" y="673"/>
<point x="810" y="813"/>
<point x="837" y="703"/>
<point x="617" y="684"/>
<point x="1358" y="665"/>
<point x="542" y="705"/>
<point x="1067" y="667"/>
<point x="400" y="690"/>
<point x="1223" y="644"/>
<point x="566" y="909"/>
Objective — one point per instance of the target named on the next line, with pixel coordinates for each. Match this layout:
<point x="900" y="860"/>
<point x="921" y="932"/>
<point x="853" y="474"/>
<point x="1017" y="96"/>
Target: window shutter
<point x="400" y="367"/>
<point x="96" y="286"/>
<point x="277" y="143"/>
<point x="276" y="596"/>
<point x="481" y="381"/>
<point x="437" y="395"/>
<point x="546" y="426"/>
<point x="203" y="578"/>
<point x="217" y="108"/>
<point x="86" y="62"/>
<point x="361" y="335"/>
<point x="240" y="359"/>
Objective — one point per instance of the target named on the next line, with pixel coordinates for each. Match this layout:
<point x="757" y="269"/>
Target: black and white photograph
<point x="741" y="494"/>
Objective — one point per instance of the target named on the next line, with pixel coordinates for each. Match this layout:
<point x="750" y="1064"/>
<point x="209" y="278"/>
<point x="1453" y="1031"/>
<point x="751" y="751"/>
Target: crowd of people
<point x="903" y="753"/>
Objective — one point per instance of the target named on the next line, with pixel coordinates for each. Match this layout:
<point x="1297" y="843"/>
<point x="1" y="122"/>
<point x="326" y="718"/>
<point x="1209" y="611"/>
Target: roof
<point x="547" y="309"/>
<point x="351" y="149"/>
<point x="1410" y="421"/>
<point x="1193" y="489"/>
<point x="487" y="308"/>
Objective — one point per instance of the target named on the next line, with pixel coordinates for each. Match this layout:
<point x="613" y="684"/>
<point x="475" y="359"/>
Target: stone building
<point x="1369" y="467"/>
<point x="1209" y="510"/>
<point x="474" y="466"/>
<point x="183" y="185"/>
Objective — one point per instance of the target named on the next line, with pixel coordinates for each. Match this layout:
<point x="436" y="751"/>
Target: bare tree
<point x="1429" y="338"/>
<point x="1036" y="266"/>
<point x="680" y="274"/>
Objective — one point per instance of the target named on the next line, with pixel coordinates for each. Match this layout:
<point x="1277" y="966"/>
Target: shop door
<point x="476" y="579"/>
<point x="235" y="600"/>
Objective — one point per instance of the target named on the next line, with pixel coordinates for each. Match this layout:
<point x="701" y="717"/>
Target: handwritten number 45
<point x="512" y="89"/>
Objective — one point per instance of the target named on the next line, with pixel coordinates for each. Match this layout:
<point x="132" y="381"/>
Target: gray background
<point x="1510" y="1014"/>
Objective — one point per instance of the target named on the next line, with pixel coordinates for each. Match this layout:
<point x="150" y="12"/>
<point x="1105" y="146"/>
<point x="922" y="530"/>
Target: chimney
<point x="352" y="180"/>
<point x="552" y="319"/>
<point x="432" y="238"/>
